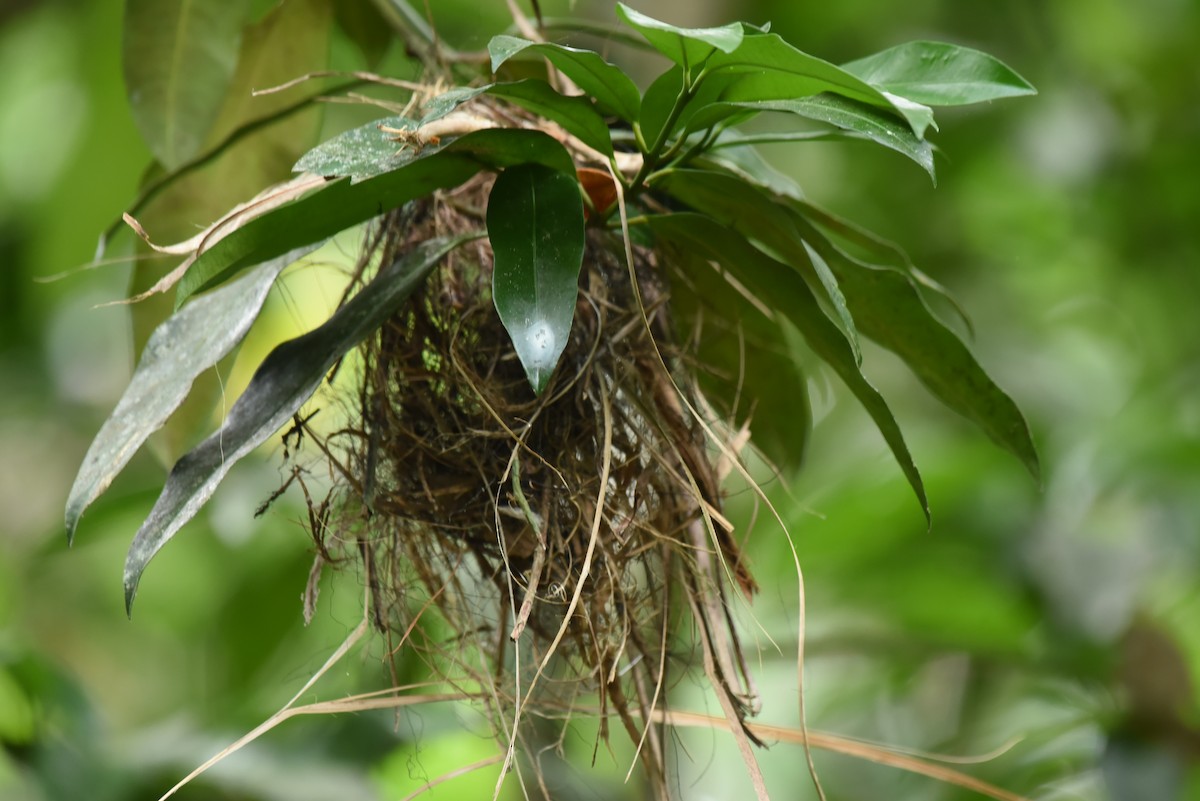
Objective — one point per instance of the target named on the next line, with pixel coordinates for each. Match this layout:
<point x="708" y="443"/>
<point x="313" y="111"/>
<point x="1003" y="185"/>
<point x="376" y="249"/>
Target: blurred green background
<point x="1066" y="615"/>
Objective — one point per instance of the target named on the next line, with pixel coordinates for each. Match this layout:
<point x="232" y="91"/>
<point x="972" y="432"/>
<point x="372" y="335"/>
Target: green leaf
<point x="611" y="88"/>
<point x="772" y="69"/>
<point x="787" y="293"/>
<point x="687" y="47"/>
<point x="178" y="58"/>
<point x="884" y="303"/>
<point x="734" y="203"/>
<point x="940" y="74"/>
<point x="889" y="309"/>
<point x="342" y="204"/>
<point x="291" y="39"/>
<point x="747" y="163"/>
<point x="575" y="114"/>
<point x="536" y="227"/>
<point x="283" y="382"/>
<point x="362" y="23"/>
<point x="185" y="345"/>
<point x="744" y="365"/>
<point x="862" y="119"/>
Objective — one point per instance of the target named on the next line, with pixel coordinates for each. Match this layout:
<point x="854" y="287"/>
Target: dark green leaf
<point x="536" y="226"/>
<point x="687" y="47"/>
<point x="178" y="58"/>
<point x="611" y="88"/>
<point x="189" y="342"/>
<point x="940" y="74"/>
<point x="342" y="204"/>
<point x="890" y="310"/>
<point x="285" y="380"/>
<point x="742" y="207"/>
<point x="575" y="114"/>
<point x="787" y="292"/>
<point x="743" y="361"/>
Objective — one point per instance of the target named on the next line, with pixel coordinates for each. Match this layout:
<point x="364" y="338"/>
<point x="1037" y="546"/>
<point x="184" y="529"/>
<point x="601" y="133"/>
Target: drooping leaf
<point x="687" y="47"/>
<point x="940" y="74"/>
<point x="858" y="119"/>
<point x="743" y="362"/>
<point x="185" y="345"/>
<point x="884" y="303"/>
<point x="178" y="58"/>
<point x="290" y="39"/>
<point x="890" y="310"/>
<point x="864" y="120"/>
<point x="789" y="294"/>
<point x="342" y="204"/>
<point x="611" y="88"/>
<point x="772" y="69"/>
<point x="286" y="379"/>
<point x="755" y="215"/>
<point x="536" y="227"/>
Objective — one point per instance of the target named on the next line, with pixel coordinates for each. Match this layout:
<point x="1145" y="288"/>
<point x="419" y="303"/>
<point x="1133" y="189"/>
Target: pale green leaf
<point x="940" y="74"/>
<point x="178" y="58"/>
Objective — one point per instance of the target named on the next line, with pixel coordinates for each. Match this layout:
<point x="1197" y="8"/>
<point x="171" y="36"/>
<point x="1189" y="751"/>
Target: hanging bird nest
<point x="568" y="541"/>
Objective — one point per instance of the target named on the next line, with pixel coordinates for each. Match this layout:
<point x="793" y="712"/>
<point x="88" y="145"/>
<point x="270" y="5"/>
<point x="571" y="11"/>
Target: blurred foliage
<point x="1063" y="615"/>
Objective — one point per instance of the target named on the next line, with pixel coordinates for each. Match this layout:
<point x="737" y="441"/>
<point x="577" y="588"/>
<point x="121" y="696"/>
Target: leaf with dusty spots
<point x="185" y="345"/>
<point x="283" y="382"/>
<point x="342" y="204"/>
<point x="535" y="224"/>
<point x="178" y="58"/>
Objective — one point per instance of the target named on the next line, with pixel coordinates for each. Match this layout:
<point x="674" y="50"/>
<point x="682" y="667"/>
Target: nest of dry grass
<point x="566" y="543"/>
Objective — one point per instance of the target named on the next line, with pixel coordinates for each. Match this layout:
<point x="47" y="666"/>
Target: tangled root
<point x="571" y="542"/>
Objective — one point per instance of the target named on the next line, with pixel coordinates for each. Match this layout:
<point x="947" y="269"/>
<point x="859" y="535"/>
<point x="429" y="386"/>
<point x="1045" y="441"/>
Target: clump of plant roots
<point x="568" y="542"/>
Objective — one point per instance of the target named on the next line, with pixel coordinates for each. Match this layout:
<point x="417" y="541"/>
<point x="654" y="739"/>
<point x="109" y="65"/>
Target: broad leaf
<point x="286" y="379"/>
<point x="611" y="88"/>
<point x="342" y="204"/>
<point x="185" y="345"/>
<point x="940" y="74"/>
<point x="786" y="292"/>
<point x="740" y="206"/>
<point x="687" y="47"/>
<point x="178" y="57"/>
<point x="772" y="69"/>
<point x="536" y="227"/>
<point x="890" y="310"/>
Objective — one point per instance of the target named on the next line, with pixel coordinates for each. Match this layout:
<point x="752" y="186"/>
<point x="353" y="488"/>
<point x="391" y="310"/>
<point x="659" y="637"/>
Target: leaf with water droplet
<point x="535" y="224"/>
